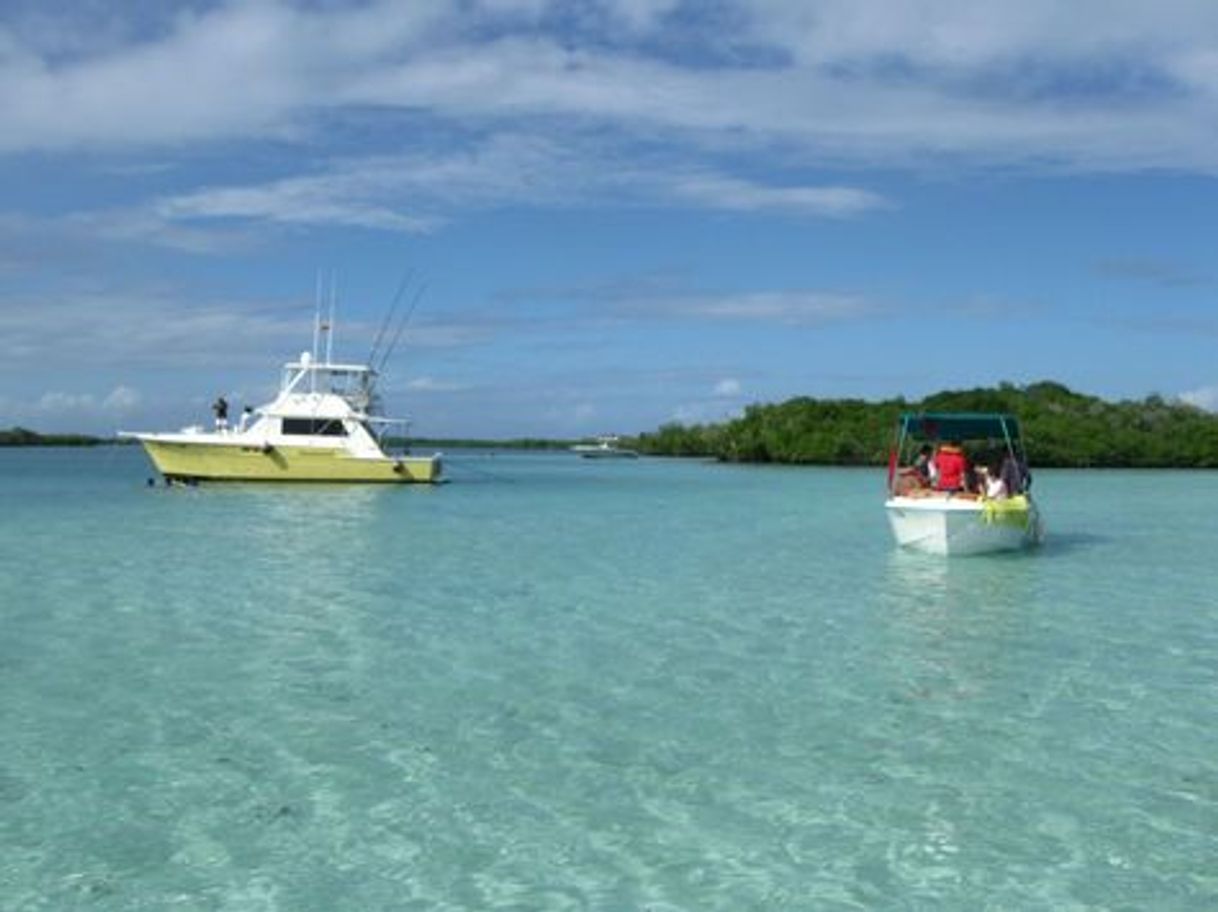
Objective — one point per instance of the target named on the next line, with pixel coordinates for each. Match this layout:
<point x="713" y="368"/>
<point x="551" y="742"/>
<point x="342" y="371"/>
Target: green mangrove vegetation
<point x="1060" y="428"/>
<point x="19" y="436"/>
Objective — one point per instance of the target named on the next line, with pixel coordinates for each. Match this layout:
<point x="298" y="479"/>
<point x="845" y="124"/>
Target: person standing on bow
<point x="220" y="407"/>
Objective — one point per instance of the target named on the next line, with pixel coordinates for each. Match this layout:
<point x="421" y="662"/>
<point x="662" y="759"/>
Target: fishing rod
<point x="390" y="314"/>
<point x="414" y="303"/>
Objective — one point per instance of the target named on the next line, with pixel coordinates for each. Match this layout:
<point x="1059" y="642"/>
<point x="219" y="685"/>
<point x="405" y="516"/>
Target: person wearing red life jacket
<point x="952" y="465"/>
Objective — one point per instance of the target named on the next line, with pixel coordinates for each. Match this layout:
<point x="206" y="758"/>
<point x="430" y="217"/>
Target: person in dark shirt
<point x="1014" y="474"/>
<point x="220" y="407"/>
<point x="923" y="464"/>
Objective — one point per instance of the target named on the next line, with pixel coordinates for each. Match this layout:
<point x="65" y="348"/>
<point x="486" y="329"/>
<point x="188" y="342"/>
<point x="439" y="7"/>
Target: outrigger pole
<point x="414" y="303"/>
<point x="390" y="314"/>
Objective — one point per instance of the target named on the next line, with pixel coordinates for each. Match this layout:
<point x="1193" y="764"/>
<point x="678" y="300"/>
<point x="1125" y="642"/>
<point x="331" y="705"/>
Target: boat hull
<point x="234" y="462"/>
<point x="956" y="526"/>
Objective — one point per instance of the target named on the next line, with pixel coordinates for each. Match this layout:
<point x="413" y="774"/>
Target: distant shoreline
<point x="538" y="444"/>
<point x="22" y="437"/>
<point x="1061" y="429"/>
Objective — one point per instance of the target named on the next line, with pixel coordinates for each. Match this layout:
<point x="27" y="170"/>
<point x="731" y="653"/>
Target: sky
<point x="612" y="214"/>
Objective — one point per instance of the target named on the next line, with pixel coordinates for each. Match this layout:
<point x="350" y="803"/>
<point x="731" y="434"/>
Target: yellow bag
<point x="1010" y="512"/>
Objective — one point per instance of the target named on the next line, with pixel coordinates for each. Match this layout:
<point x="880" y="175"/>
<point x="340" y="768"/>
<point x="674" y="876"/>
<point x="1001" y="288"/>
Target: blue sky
<point x="620" y="212"/>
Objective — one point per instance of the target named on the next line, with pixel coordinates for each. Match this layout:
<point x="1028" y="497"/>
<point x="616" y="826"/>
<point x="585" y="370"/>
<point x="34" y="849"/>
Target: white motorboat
<point x="957" y="518"/>
<point x="605" y="447"/>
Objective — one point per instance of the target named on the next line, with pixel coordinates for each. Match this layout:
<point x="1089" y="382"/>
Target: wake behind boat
<point x="940" y="503"/>
<point x="324" y="425"/>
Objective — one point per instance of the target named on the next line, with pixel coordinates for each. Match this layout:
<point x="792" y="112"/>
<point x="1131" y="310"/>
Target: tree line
<point x="19" y="436"/>
<point x="1060" y="428"/>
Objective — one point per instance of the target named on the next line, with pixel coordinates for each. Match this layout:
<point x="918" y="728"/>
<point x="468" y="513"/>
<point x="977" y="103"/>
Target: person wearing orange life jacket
<point x="952" y="467"/>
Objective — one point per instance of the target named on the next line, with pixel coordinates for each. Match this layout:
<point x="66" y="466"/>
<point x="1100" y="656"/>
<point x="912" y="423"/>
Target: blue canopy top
<point x="960" y="426"/>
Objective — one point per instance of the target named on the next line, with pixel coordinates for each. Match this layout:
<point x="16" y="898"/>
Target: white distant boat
<point x="323" y="426"/>
<point x="605" y="447"/>
<point x="927" y="518"/>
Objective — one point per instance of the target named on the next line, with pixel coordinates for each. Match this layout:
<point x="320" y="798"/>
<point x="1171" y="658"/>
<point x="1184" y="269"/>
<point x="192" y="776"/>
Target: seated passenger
<point x="924" y="465"/>
<point x="995" y="485"/>
<point x="915" y="477"/>
<point x="952" y="465"/>
<point x="1014" y="474"/>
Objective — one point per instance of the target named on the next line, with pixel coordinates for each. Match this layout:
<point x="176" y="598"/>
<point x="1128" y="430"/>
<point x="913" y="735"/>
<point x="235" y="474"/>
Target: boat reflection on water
<point x="957" y="631"/>
<point x="926" y="586"/>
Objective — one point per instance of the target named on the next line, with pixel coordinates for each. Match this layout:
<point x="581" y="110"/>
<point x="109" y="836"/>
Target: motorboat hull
<point x="209" y="461"/>
<point x="948" y="525"/>
<point x="602" y="453"/>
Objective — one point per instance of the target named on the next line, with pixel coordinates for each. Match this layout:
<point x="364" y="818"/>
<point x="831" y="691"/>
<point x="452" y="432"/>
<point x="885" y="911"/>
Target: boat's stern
<point x="420" y="469"/>
<point x="957" y="525"/>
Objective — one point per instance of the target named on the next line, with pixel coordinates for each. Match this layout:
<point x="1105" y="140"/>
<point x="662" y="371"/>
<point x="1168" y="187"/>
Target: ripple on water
<point x="665" y="686"/>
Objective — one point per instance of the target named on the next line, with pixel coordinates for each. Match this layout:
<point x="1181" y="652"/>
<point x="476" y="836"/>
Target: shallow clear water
<point x="560" y="684"/>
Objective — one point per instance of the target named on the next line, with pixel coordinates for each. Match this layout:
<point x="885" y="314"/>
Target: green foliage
<point x="19" y="436"/>
<point x="1060" y="427"/>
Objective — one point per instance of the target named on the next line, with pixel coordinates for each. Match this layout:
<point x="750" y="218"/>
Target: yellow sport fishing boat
<point x="323" y="426"/>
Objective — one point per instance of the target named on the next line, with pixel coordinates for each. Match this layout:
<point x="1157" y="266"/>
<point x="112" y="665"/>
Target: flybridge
<point x="355" y="383"/>
<point x="313" y="374"/>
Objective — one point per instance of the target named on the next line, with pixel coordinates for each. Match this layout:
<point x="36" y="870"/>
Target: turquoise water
<point x="558" y="684"/>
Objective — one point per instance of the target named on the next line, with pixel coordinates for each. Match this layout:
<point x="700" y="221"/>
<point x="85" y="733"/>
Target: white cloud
<point x="643" y="14"/>
<point x="55" y="402"/>
<point x="332" y="199"/>
<point x="1150" y="270"/>
<point x="785" y="307"/>
<point x="1205" y="397"/>
<point x="152" y="328"/>
<point x="703" y="413"/>
<point x="732" y="193"/>
<point x="121" y="399"/>
<point x="59" y="403"/>
<point x="239" y="69"/>
<point x="432" y="385"/>
<point x="667" y="297"/>
<point x="727" y="387"/>
<point x="572" y="417"/>
<point x="167" y="328"/>
<point x="414" y="192"/>
<point x="985" y="82"/>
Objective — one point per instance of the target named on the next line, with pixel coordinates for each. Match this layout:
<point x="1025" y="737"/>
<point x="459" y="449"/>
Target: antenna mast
<point x="316" y="332"/>
<point x="330" y="323"/>
<point x="317" y="315"/>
